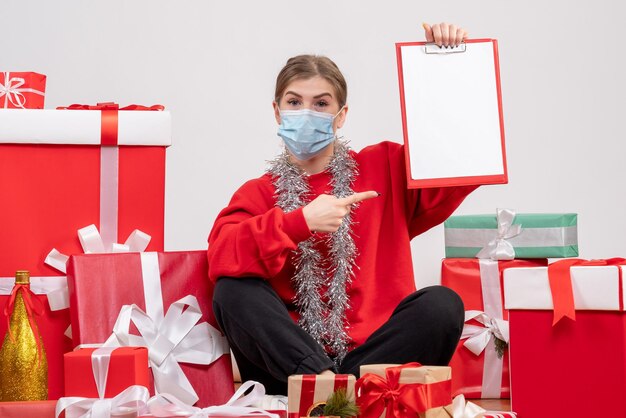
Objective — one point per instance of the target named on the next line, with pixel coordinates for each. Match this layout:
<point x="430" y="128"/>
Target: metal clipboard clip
<point x="433" y="48"/>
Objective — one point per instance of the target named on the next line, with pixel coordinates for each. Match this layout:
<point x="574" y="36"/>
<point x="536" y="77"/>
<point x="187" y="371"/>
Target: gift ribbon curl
<point x="13" y="91"/>
<point x="478" y="337"/>
<point x="500" y="248"/>
<point x="167" y="405"/>
<point x="133" y="399"/>
<point x="177" y="337"/>
<point x="377" y="394"/>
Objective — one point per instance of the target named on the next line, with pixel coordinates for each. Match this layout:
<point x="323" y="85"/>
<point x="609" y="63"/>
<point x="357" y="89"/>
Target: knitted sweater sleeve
<point x="251" y="237"/>
<point x="434" y="205"/>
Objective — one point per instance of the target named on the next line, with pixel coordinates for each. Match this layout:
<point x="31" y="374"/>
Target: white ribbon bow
<point x="478" y="337"/>
<point x="461" y="409"/>
<point x="92" y="243"/>
<point x="166" y="405"/>
<point x="132" y="400"/>
<point x="500" y="248"/>
<point x="13" y="92"/>
<point x="175" y="338"/>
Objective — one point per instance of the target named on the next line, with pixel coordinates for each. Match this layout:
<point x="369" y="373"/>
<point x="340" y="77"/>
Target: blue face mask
<point x="306" y="132"/>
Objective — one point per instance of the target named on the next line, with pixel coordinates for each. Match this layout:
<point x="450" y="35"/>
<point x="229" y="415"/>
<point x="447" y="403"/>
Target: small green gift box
<point x="507" y="235"/>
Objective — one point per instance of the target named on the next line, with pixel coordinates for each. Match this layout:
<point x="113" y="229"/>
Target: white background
<point x="214" y="63"/>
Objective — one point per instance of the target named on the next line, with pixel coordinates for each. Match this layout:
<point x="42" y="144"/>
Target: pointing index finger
<point x="359" y="197"/>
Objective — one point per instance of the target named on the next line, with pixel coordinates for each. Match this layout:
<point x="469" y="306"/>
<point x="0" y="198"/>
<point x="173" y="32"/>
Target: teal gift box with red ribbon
<point x="567" y="338"/>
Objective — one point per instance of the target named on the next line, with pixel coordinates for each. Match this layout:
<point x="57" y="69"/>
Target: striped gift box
<point x="306" y="391"/>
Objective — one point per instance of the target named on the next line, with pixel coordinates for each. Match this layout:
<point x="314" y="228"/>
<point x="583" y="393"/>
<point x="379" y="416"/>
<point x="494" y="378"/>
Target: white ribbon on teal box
<point x="508" y="235"/>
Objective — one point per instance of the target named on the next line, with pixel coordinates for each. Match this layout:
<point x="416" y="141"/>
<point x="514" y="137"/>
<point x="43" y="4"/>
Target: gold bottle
<point x="23" y="363"/>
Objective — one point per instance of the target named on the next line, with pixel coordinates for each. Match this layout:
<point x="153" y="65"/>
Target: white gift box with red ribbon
<point x="83" y="127"/>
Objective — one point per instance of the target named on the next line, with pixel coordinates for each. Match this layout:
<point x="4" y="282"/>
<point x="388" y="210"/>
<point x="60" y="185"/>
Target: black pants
<point x="269" y="346"/>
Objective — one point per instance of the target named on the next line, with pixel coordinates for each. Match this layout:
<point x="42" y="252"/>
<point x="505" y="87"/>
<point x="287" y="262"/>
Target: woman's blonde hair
<point x="303" y="67"/>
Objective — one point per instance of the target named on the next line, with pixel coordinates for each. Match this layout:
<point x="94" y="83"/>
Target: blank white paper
<point x="452" y="114"/>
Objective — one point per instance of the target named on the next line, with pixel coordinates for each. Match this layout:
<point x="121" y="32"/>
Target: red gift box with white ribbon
<point x="105" y="382"/>
<point x="478" y="369"/>
<point x="568" y="338"/>
<point x="22" y="90"/>
<point x="105" y="372"/>
<point x="61" y="170"/>
<point x="162" y="301"/>
<point x="57" y="177"/>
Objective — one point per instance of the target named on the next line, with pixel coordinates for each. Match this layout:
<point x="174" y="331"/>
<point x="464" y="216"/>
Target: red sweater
<point x="253" y="237"/>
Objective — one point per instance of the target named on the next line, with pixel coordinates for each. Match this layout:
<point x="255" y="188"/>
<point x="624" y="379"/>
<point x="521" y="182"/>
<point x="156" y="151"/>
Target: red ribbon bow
<point x="561" y="284"/>
<point x="111" y="106"/>
<point x="401" y="400"/>
<point x="108" y="127"/>
<point x="33" y="307"/>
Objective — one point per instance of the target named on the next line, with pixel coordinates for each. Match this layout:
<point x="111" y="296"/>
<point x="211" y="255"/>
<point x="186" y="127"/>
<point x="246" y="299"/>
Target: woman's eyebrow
<point x="315" y="97"/>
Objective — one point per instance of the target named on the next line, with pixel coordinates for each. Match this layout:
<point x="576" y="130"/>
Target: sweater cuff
<point x="295" y="226"/>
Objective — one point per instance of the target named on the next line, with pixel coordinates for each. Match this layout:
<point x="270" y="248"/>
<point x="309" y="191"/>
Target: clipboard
<point x="452" y="117"/>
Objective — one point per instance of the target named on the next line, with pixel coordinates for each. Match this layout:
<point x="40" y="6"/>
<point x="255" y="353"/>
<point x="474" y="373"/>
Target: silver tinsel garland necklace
<point x="322" y="316"/>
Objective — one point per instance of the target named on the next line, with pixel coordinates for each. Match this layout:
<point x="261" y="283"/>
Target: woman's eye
<point x="293" y="102"/>
<point x="321" y="103"/>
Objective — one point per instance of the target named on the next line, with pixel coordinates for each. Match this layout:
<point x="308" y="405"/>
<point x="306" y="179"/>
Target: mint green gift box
<point x="542" y="235"/>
